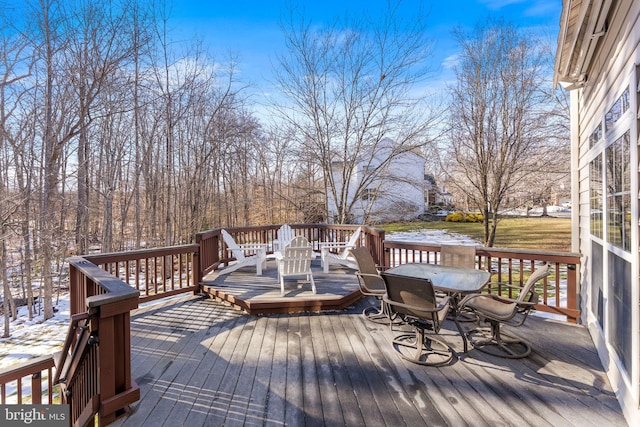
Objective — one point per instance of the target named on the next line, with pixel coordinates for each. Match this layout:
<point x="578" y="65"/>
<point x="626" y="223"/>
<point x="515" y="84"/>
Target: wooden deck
<point x="254" y="294"/>
<point x="201" y="363"/>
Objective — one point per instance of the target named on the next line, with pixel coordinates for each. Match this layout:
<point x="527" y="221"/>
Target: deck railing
<point x="161" y="272"/>
<point x="559" y="292"/>
<point x="92" y="373"/>
<point x="98" y="347"/>
<point x="106" y="287"/>
<point x="30" y="383"/>
<point x="155" y="273"/>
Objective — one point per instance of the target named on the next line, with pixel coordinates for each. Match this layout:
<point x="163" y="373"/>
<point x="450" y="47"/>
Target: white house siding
<point x="613" y="69"/>
<point x="402" y="191"/>
<point x="399" y="189"/>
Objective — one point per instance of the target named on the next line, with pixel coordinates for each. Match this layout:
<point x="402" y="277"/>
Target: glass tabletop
<point x="445" y="278"/>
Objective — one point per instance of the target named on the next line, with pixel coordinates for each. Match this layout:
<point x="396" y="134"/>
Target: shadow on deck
<point x="261" y="294"/>
<point x="199" y="362"/>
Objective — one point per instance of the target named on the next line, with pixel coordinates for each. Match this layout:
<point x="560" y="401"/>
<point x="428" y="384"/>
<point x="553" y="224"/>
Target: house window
<point x="617" y="110"/>
<point x="369" y="194"/>
<point x="621" y="310"/>
<point x="610" y="226"/>
<point x="595" y="136"/>
<point x="618" y="183"/>
<point x="595" y="189"/>
<point x="597" y="286"/>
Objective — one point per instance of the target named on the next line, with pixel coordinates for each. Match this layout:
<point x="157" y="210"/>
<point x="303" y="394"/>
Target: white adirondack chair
<point x="259" y="259"/>
<point x="344" y="257"/>
<point x="285" y="236"/>
<point x="295" y="260"/>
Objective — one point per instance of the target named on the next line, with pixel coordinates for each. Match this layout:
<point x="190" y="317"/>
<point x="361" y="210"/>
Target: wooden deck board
<point x="310" y="386"/>
<point x="353" y="353"/>
<point x="199" y="363"/>
<point x="331" y="411"/>
<point x="341" y="369"/>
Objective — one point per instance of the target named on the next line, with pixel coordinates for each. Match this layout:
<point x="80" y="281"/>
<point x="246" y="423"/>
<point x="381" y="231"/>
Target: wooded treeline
<point x="116" y="136"/>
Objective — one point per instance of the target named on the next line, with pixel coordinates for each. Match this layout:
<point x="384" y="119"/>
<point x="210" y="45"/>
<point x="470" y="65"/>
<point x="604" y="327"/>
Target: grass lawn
<point x="548" y="233"/>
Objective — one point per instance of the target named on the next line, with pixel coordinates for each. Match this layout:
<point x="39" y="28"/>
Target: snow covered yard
<point x="31" y="338"/>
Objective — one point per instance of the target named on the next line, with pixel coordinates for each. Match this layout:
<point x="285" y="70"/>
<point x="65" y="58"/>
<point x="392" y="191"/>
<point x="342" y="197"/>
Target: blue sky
<point x="250" y="29"/>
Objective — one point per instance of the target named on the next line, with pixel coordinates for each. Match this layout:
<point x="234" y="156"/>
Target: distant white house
<point x="384" y="189"/>
<point x="598" y="60"/>
<point x="434" y="195"/>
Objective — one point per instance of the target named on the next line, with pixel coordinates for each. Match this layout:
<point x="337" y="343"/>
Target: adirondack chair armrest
<point x="252" y="246"/>
<point x="259" y="248"/>
<point x="335" y="245"/>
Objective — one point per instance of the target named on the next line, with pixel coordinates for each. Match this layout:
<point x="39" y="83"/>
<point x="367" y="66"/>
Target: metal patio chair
<point x="414" y="300"/>
<point x="498" y="310"/>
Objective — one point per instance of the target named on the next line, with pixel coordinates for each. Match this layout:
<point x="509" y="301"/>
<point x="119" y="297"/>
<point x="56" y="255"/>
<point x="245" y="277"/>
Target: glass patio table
<point x="455" y="281"/>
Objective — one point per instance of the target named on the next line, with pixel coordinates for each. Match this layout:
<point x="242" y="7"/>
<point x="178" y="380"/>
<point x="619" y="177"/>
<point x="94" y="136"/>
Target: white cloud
<point x="499" y="4"/>
<point x="538" y="8"/>
<point x="450" y="61"/>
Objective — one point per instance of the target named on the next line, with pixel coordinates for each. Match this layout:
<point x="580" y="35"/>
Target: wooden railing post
<point x="196" y="272"/>
<point x="573" y="292"/>
<point x="109" y="308"/>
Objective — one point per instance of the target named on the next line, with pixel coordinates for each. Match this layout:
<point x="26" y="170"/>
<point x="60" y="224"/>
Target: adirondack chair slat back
<point x="232" y="246"/>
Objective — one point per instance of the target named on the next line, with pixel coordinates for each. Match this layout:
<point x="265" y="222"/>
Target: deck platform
<point x="261" y="294"/>
<point x="200" y="362"/>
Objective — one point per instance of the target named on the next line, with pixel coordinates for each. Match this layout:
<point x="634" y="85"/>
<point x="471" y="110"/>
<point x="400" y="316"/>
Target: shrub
<point x="474" y="217"/>
<point x="461" y="217"/>
<point x="455" y="217"/>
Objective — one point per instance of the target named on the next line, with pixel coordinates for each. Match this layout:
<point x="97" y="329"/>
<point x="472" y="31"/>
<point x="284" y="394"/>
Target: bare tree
<point x="79" y="48"/>
<point x="499" y="116"/>
<point x="15" y="67"/>
<point x="350" y="85"/>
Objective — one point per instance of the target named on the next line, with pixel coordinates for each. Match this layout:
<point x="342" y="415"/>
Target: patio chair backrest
<point x="458" y="255"/>
<point x="298" y="242"/>
<point x="351" y="243"/>
<point x="414" y="297"/>
<point x="297" y="257"/>
<point x="527" y="290"/>
<point x="371" y="279"/>
<point x="285" y="235"/>
<point x="237" y="253"/>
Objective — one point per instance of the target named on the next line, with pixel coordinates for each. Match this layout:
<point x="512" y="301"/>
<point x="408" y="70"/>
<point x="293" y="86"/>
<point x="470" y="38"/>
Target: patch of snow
<point x="36" y="337"/>
<point x="437" y="237"/>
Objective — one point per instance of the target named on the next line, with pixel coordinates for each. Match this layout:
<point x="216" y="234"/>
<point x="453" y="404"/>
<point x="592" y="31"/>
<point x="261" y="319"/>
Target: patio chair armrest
<point x="470" y="297"/>
<point x="527" y="303"/>
<point x="502" y="285"/>
<point x="507" y="286"/>
<point x="358" y="274"/>
<point x="443" y="302"/>
<point x="441" y="305"/>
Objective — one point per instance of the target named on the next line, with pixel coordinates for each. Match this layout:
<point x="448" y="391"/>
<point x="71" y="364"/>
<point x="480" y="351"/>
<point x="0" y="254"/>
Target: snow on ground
<point x="36" y="337"/>
<point x="33" y="338"/>
<point x="431" y="236"/>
